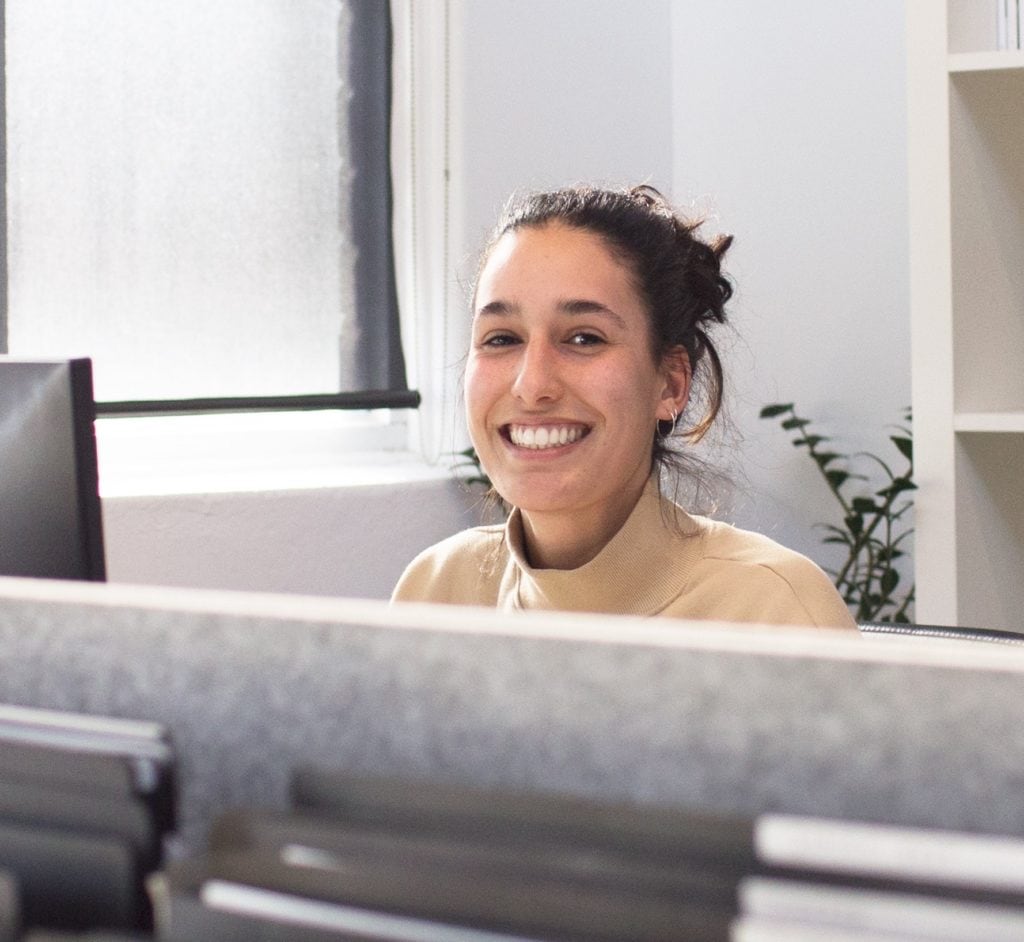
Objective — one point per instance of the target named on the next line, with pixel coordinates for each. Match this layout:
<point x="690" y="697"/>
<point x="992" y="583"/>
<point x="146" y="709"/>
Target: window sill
<point x="255" y="453"/>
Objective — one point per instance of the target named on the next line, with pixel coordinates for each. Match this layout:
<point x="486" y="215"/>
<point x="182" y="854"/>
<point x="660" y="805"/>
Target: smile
<point x="537" y="437"/>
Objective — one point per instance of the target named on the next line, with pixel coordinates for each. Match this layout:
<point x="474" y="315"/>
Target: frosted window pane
<point x="175" y="182"/>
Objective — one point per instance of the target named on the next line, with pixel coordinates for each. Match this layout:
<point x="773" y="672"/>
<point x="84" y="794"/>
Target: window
<point x="199" y="199"/>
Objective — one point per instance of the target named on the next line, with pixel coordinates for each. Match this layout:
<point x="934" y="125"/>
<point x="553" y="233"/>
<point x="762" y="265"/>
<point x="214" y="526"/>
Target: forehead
<point x="555" y="260"/>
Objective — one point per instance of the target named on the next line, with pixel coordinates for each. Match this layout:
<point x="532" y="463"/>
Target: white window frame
<point x="427" y="235"/>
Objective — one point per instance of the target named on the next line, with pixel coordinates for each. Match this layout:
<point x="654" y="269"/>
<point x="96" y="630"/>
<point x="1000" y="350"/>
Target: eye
<point x="495" y="340"/>
<point x="584" y="338"/>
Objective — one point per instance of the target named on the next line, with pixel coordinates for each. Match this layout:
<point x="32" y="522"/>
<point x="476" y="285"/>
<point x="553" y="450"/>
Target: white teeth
<point x="537" y="437"/>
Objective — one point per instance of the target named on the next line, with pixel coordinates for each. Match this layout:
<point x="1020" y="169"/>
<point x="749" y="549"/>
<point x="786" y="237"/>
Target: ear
<point x="676" y="372"/>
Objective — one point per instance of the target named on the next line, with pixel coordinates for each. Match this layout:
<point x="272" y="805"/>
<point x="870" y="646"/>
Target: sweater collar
<point x="643" y="568"/>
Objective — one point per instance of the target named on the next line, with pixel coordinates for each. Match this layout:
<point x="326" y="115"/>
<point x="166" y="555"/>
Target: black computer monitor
<point x="50" y="519"/>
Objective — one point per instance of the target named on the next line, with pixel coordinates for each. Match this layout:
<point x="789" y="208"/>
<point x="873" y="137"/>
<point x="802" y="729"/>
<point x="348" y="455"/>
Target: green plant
<point x="874" y="529"/>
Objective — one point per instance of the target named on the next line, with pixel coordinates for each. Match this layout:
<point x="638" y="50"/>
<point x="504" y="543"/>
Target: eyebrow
<point x="500" y="308"/>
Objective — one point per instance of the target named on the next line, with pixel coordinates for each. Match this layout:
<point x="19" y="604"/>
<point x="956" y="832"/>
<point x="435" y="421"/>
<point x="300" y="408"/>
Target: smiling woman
<point x="590" y="339"/>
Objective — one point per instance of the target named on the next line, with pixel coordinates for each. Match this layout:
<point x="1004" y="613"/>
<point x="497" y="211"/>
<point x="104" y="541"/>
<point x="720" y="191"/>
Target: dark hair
<point x="677" y="274"/>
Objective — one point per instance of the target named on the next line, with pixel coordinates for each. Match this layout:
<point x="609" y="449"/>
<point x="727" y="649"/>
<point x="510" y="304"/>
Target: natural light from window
<point x="175" y="186"/>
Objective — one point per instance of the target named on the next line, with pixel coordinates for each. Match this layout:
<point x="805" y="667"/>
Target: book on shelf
<point x="86" y="803"/>
<point x="1008" y="24"/>
<point x="837" y="910"/>
<point x="403" y="899"/>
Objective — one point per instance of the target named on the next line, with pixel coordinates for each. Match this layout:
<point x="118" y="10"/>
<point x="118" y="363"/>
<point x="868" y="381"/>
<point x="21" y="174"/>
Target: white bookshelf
<point x="966" y="151"/>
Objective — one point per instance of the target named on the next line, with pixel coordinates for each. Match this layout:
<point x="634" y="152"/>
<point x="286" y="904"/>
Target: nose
<point x="537" y="377"/>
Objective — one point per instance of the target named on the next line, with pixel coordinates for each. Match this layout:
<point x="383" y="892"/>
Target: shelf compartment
<point x="990" y="531"/>
<point x="987" y="215"/>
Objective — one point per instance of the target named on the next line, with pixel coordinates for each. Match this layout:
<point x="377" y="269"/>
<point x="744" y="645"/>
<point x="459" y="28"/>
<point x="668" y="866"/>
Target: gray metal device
<point x="50" y="516"/>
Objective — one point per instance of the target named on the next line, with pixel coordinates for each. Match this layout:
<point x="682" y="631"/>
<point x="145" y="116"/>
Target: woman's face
<point x="562" y="391"/>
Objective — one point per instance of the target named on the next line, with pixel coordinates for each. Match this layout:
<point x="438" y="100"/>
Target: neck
<point x="571" y="540"/>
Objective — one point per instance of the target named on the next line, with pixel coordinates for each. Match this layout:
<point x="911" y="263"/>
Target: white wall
<point x="349" y="541"/>
<point x="786" y="120"/>
<point x="790" y="123"/>
<point x="555" y="93"/>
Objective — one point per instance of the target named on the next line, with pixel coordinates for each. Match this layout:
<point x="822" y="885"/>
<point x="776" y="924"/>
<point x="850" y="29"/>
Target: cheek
<point x="478" y="389"/>
<point x="631" y="390"/>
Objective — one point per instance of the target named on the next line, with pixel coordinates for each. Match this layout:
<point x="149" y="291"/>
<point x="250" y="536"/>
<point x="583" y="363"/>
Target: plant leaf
<point x="824" y="458"/>
<point x="770" y="412"/>
<point x="837" y="478"/>
<point x="890" y="579"/>
<point x="905" y="445"/>
<point x="795" y="422"/>
<point x="897" y="487"/>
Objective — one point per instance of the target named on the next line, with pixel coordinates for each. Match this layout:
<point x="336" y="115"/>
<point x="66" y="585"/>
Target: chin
<point x="540" y="499"/>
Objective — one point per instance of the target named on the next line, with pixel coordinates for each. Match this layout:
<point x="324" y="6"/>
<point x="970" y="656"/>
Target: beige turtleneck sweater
<point x="662" y="562"/>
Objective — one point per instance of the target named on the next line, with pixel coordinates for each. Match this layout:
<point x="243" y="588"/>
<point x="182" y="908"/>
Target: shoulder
<point x="767" y="581"/>
<point x="459" y="569"/>
<point x="727" y="543"/>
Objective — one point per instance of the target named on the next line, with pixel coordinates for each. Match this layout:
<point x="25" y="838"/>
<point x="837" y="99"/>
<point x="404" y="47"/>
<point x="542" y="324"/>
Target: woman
<point x="591" y="315"/>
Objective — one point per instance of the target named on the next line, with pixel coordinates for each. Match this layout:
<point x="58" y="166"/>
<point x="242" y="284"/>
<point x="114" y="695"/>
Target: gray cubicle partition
<point x="729" y="718"/>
